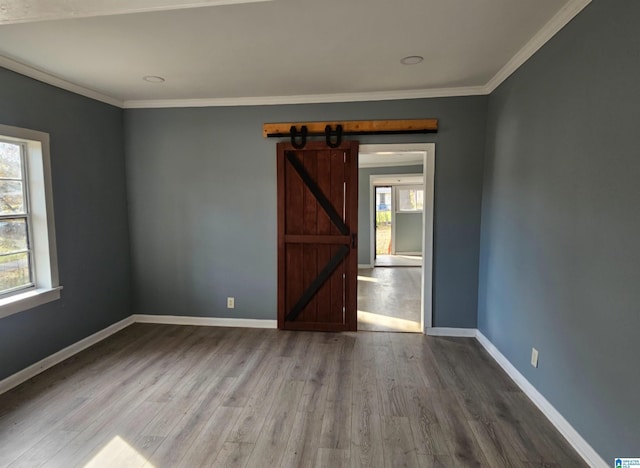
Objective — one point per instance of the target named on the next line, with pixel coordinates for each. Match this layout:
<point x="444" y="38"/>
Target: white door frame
<point x="373" y="184"/>
<point x="429" y="158"/>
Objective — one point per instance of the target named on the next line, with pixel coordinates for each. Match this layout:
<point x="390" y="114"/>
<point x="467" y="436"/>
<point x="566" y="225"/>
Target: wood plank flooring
<point x="398" y="261"/>
<point x="389" y="299"/>
<point x="172" y="396"/>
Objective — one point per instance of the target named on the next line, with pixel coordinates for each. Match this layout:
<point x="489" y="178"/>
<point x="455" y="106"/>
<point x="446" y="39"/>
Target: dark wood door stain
<point x="317" y="237"/>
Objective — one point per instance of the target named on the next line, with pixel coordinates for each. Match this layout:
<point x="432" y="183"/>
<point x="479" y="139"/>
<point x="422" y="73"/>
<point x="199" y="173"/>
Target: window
<point x="28" y="262"/>
<point x="410" y="198"/>
<point x="16" y="271"/>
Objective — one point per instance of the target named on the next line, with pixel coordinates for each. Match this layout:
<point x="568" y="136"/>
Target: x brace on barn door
<point x="335" y="218"/>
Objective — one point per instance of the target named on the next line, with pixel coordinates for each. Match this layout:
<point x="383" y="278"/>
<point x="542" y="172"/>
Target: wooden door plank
<point x="294" y="281"/>
<point x="294" y="212"/>
<point x="319" y="239"/>
<point x="335" y="313"/>
<point x="336" y="195"/>
<point x="351" y="217"/>
<point x="309" y="228"/>
<point x="309" y="273"/>
<point x="323" y="179"/>
<point x="324" y="229"/>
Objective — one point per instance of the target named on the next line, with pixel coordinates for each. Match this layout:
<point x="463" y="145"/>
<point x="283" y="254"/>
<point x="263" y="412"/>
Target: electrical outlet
<point x="534" y="357"/>
<point x="231" y="303"/>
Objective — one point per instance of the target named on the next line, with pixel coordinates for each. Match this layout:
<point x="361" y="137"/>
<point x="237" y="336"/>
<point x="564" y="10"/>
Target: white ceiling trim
<point x="555" y="24"/>
<point x="309" y="98"/>
<point x="55" y="81"/>
<point x="18" y="11"/>
<point x="564" y="16"/>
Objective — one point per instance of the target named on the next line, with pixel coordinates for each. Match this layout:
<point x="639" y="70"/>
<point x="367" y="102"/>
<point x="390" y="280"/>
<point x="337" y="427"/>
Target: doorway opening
<point x="396" y="213"/>
<point x="398" y="207"/>
<point x="382" y="207"/>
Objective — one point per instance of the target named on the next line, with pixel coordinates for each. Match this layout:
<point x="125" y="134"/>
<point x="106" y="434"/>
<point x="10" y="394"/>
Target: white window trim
<point x="45" y="260"/>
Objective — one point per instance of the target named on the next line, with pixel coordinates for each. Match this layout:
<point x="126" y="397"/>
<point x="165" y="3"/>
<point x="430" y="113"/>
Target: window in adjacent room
<point x="410" y="198"/>
<point x="28" y="263"/>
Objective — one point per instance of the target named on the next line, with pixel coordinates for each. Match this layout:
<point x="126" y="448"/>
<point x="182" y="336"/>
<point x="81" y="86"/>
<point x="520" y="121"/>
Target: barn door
<point x="317" y="236"/>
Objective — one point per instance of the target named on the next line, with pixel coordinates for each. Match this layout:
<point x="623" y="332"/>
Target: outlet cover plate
<point x="534" y="357"/>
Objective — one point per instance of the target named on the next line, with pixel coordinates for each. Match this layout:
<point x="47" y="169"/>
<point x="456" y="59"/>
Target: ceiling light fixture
<point x="411" y="60"/>
<point x="153" y="79"/>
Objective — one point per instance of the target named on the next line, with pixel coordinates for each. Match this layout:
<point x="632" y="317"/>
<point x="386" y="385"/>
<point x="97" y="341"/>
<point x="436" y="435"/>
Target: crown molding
<point x="72" y="9"/>
<point x="308" y="98"/>
<point x="39" y="75"/>
<point x="553" y="26"/>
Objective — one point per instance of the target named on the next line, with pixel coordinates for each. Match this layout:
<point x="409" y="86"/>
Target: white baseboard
<point x="573" y="437"/>
<point x="454" y="332"/>
<point x="365" y="266"/>
<point x="56" y="358"/>
<point x="205" y="321"/>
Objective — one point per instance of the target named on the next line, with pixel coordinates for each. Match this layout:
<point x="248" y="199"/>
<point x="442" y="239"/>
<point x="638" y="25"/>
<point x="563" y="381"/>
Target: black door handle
<point x="354" y="241"/>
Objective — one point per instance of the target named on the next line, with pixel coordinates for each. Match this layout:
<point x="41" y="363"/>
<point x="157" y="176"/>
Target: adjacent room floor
<point x="389" y="299"/>
<point x="179" y="396"/>
<point x="398" y="260"/>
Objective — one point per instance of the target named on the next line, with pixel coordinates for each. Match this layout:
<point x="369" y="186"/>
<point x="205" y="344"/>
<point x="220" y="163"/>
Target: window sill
<point x="28" y="300"/>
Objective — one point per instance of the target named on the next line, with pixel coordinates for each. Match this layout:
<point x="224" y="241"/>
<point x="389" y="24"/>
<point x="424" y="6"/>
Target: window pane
<point x="10" y="161"/>
<point x="11" y="197"/>
<point x="14" y="271"/>
<point x="410" y="199"/>
<point x="420" y="199"/>
<point x="13" y="235"/>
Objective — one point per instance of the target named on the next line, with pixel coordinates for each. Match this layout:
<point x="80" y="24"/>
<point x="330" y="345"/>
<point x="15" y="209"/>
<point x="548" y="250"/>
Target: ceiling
<point x="387" y="159"/>
<point x="274" y="51"/>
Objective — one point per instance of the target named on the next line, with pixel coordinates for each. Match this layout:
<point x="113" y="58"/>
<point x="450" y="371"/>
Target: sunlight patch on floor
<point x="371" y="321"/>
<point x="118" y="453"/>
<point x="368" y="279"/>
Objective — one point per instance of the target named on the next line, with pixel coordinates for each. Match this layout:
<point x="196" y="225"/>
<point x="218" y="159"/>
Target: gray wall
<point x="560" y="246"/>
<point x="408" y="232"/>
<point x="89" y="196"/>
<point x="202" y="188"/>
<point x="365" y="223"/>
